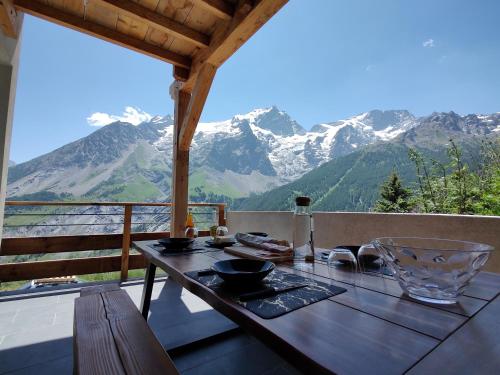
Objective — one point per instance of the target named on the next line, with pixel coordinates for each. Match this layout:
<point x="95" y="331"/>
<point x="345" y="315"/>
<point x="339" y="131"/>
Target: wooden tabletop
<point x="371" y="328"/>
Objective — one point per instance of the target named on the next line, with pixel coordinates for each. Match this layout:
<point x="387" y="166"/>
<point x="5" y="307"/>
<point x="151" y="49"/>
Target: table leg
<point x="149" y="280"/>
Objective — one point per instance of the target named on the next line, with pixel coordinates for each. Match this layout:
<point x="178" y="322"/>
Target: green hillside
<point x="351" y="182"/>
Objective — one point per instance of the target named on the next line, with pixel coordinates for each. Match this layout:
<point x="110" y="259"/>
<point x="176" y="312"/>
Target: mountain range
<point x="242" y="157"/>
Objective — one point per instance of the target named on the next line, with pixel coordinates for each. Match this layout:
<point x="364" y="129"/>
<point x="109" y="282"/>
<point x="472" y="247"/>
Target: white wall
<point x="348" y="228"/>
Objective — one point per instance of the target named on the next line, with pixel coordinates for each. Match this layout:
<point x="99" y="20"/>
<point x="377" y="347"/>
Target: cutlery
<point x="268" y="292"/>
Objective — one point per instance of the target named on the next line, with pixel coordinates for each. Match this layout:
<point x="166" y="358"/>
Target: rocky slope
<point x="246" y="154"/>
<point x="351" y="182"/>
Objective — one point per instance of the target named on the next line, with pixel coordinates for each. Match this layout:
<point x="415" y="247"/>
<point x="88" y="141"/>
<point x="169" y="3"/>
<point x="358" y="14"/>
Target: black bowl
<point x="258" y="234"/>
<point x="220" y="245"/>
<point x="176" y="243"/>
<point x="243" y="270"/>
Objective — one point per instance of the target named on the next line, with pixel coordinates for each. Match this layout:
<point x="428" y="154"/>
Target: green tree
<point x="393" y="196"/>
<point x="453" y="187"/>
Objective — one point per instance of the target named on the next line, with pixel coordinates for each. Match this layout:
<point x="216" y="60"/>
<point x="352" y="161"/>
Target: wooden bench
<point x="112" y="337"/>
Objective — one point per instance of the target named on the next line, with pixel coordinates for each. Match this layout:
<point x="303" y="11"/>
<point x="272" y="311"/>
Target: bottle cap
<point x="302" y="201"/>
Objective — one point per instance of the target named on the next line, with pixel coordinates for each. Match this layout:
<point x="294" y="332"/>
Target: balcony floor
<point x="36" y="334"/>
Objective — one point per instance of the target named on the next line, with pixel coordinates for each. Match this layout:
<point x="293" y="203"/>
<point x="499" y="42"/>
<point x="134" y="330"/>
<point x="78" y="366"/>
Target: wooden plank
<point x="230" y="36"/>
<point x="180" y="167"/>
<point x="61" y="244"/>
<point x="325" y="337"/>
<point x="94" y="347"/>
<point x="62" y="18"/>
<point x="220" y="8"/>
<point x="421" y="318"/>
<point x="196" y="103"/>
<point x="473" y="349"/>
<point x="466" y="306"/>
<point x="8" y="19"/>
<point x="64" y="267"/>
<point x="154" y="19"/>
<point x="115" y="204"/>
<point x="222" y="214"/>
<point x="96" y="289"/>
<point x="253" y="253"/>
<point x="140" y="351"/>
<point x="127" y="223"/>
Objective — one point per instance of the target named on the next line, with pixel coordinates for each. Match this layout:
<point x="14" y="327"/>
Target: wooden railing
<point x="74" y="243"/>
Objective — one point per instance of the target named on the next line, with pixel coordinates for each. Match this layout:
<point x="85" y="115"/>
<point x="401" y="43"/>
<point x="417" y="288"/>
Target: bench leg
<point x="149" y="280"/>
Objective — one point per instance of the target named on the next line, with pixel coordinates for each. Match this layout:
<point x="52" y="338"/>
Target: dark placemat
<point x="272" y="307"/>
<point x="197" y="246"/>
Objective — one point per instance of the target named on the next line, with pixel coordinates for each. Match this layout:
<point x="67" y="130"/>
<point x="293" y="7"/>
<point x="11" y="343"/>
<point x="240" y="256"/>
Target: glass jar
<point x="303" y="246"/>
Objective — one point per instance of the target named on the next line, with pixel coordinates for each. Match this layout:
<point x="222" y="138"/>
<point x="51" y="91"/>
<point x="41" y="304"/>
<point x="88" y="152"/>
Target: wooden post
<point x="222" y="216"/>
<point x="9" y="62"/>
<point x="188" y="108"/>
<point x="180" y="165"/>
<point x="127" y="226"/>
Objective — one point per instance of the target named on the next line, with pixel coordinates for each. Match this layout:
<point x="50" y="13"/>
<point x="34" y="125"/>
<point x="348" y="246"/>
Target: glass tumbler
<point x="343" y="266"/>
<point x="369" y="260"/>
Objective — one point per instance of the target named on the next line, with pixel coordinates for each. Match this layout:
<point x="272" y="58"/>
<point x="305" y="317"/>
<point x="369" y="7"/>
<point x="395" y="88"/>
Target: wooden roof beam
<point x="158" y="21"/>
<point x="219" y="8"/>
<point x="195" y="107"/>
<point x="8" y="19"/>
<point x="62" y="18"/>
<point x="230" y="36"/>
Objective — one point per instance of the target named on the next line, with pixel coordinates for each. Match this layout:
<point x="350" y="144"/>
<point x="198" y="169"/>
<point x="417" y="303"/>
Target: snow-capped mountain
<point x="246" y="154"/>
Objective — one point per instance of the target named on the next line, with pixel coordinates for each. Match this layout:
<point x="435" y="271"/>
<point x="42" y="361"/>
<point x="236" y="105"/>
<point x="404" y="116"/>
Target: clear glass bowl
<point x="431" y="269"/>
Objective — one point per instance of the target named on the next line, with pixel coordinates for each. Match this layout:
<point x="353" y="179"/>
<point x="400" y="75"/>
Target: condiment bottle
<point x="303" y="246"/>
<point x="191" y="230"/>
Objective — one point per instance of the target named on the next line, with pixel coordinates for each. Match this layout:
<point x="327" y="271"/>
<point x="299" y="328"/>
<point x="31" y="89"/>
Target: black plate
<point x="258" y="234"/>
<point x="211" y="243"/>
<point x="176" y="243"/>
<point x="243" y="270"/>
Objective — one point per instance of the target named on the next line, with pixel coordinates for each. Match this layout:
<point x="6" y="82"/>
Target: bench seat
<point x="112" y="337"/>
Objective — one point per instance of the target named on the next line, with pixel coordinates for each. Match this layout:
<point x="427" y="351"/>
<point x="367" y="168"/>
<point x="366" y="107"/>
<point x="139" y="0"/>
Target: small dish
<point x="176" y="243"/>
<point x="219" y="245"/>
<point x="243" y="270"/>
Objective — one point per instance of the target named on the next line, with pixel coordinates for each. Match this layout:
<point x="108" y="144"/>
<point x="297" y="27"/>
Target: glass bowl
<point x="432" y="269"/>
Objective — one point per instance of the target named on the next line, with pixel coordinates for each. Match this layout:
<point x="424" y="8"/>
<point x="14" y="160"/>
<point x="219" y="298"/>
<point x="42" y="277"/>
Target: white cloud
<point x="369" y="68"/>
<point x="131" y="115"/>
<point x="429" y="43"/>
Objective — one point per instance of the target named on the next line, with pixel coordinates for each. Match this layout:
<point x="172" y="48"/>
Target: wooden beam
<point x="180" y="74"/>
<point x="158" y="21"/>
<point x="229" y="36"/>
<point x="62" y="18"/>
<point x="127" y="226"/>
<point x="61" y="244"/>
<point x="219" y="8"/>
<point x="180" y="166"/>
<point x="66" y="267"/>
<point x="8" y="18"/>
<point x="198" y="98"/>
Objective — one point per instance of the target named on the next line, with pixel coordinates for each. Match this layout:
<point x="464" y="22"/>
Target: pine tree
<point x="393" y="196"/>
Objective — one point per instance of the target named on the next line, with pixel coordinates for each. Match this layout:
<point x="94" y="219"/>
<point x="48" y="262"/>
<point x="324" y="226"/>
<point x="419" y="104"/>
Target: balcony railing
<point x="126" y="222"/>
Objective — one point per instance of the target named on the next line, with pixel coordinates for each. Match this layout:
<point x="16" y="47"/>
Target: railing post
<point x="222" y="214"/>
<point x="127" y="226"/>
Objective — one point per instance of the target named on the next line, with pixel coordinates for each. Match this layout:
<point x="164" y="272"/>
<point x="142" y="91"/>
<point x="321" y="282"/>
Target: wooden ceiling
<point x="184" y="33"/>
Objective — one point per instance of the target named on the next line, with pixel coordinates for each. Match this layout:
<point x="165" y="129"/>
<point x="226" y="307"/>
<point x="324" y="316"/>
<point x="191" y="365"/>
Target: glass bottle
<point x="303" y="246"/>
<point x="191" y="230"/>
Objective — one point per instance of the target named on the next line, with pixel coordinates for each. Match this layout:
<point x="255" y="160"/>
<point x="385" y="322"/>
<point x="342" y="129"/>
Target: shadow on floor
<point x="36" y="335"/>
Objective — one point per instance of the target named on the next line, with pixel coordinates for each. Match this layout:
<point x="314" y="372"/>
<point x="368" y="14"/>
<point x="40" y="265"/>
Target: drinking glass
<point x="221" y="231"/>
<point x="343" y="266"/>
<point x="369" y="260"/>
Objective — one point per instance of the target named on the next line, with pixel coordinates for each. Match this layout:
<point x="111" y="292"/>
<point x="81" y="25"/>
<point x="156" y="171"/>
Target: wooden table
<point x="371" y="328"/>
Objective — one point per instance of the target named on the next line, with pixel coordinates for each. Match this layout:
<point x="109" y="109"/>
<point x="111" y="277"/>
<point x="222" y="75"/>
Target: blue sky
<point x="319" y="63"/>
